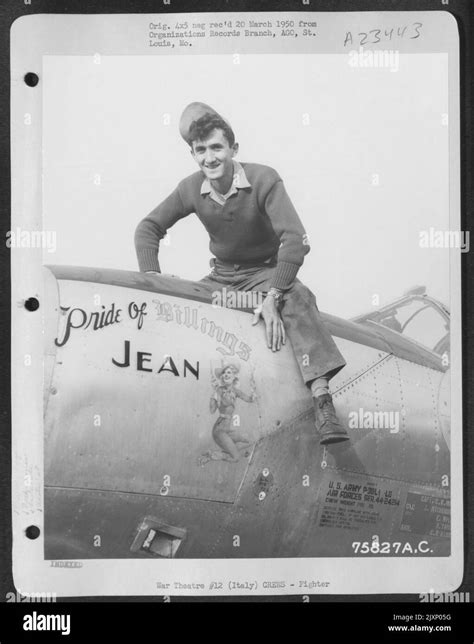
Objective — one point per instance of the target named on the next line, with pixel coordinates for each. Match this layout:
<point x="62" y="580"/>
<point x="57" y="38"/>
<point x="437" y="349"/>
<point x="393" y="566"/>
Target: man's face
<point x="214" y="155"/>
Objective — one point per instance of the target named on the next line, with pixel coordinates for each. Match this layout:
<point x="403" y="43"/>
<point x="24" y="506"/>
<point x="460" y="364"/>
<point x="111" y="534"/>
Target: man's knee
<point x="299" y="290"/>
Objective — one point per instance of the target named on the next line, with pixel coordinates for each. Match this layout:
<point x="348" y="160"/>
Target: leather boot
<point x="327" y="423"/>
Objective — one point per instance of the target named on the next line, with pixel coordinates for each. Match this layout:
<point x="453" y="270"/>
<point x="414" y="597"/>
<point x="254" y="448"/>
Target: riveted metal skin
<point x="125" y="433"/>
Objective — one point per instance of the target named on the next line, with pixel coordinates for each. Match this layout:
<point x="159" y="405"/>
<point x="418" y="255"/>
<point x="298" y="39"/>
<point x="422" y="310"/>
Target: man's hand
<point x="274" y="329"/>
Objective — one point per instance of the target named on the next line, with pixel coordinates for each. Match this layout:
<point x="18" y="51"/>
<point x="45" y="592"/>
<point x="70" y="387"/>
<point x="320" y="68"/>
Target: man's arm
<point x="289" y="229"/>
<point x="151" y="230"/>
<point x="293" y="247"/>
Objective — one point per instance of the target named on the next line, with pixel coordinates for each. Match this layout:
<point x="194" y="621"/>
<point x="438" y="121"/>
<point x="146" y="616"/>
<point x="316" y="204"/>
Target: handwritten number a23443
<point x="373" y="37"/>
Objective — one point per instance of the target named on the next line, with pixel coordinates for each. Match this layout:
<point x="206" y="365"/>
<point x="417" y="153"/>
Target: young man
<point x="259" y="245"/>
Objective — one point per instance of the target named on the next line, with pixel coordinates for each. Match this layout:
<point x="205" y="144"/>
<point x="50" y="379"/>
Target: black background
<point x="324" y="618"/>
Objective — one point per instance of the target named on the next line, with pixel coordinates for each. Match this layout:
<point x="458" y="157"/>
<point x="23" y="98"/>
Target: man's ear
<point x="235" y="148"/>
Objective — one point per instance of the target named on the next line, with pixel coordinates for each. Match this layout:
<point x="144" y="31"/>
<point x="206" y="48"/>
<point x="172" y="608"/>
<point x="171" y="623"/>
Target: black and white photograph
<point x="236" y="292"/>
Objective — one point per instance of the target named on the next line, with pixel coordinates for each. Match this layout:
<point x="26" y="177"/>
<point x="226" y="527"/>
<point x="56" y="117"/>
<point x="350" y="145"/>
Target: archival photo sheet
<point x="236" y="304"/>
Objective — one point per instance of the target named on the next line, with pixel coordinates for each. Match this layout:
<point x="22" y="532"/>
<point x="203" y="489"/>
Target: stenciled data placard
<point x="160" y="446"/>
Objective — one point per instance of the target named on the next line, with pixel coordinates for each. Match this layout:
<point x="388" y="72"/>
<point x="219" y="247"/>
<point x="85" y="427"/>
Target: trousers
<point x="315" y="350"/>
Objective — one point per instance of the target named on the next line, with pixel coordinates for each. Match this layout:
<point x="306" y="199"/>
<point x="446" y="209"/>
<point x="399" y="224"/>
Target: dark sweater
<point x="254" y="224"/>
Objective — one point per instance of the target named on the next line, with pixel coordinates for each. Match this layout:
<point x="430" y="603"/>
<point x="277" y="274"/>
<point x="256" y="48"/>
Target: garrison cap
<point x="193" y="112"/>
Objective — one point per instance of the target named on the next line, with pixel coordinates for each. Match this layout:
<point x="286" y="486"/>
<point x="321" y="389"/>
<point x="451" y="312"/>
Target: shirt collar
<point x="239" y="181"/>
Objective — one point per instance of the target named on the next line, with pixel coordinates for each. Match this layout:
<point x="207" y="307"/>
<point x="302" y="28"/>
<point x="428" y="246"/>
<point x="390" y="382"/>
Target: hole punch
<point x="31" y="79"/>
<point x="32" y="304"/>
<point x="32" y="532"/>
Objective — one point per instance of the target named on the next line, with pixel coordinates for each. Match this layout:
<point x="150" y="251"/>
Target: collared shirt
<point x="239" y="181"/>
